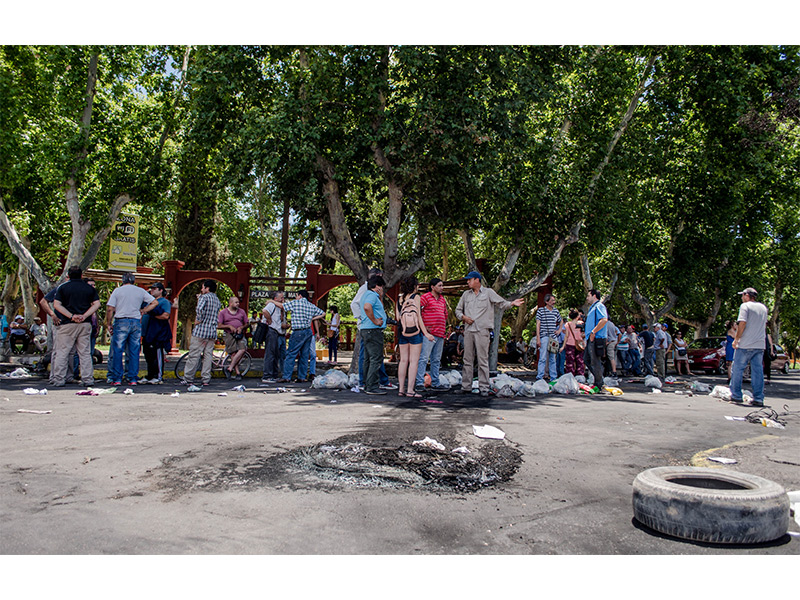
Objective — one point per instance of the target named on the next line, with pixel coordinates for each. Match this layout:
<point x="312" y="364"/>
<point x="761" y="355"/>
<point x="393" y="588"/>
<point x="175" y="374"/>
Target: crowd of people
<point x="138" y="319"/>
<point x="593" y="343"/>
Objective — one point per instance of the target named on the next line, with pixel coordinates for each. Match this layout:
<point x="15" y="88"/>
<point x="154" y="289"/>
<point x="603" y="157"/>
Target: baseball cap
<point x="749" y="292"/>
<point x="158" y="285"/>
<point x="20" y="317"/>
<point x="473" y="275"/>
<point x="645" y="326"/>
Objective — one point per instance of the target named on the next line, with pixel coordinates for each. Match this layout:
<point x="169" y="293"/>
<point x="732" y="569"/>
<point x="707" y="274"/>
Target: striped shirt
<point x="434" y="314"/>
<point x="205" y="326"/>
<point x="549" y="320"/>
<point x="302" y="312"/>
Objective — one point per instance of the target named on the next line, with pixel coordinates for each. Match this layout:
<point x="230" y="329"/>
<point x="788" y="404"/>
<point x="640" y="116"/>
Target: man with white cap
<point x="476" y="309"/>
<point x="749" y="347"/>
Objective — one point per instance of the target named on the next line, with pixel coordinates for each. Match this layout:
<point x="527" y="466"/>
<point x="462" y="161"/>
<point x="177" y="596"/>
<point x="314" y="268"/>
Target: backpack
<point x="408" y="317"/>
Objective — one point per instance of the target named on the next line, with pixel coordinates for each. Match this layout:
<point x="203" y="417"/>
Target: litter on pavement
<point x="34" y="412"/>
<point x="488" y="432"/>
<point x="35" y="392"/>
<point x="429" y="443"/>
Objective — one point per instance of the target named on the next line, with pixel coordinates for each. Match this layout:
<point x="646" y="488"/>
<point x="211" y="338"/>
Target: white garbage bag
<point x="352" y="381"/>
<point x="699" y="386"/>
<point x="527" y="390"/>
<point x="590" y="378"/>
<point x="566" y="384"/>
<point x="336" y="380"/>
<point x="444" y="381"/>
<point x="541" y="387"/>
<point x="454" y="377"/>
<point x="652" y="382"/>
<point x="580" y="379"/>
<point x="610" y="382"/>
<point x="505" y="392"/>
<point x="503" y="380"/>
<point x="320" y="382"/>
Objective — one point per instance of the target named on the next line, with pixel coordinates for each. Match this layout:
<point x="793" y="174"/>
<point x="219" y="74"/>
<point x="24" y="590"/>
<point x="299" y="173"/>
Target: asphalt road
<point x="152" y="473"/>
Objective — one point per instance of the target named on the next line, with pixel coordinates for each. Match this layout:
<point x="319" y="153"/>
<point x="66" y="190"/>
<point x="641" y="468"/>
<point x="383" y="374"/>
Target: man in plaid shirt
<point x="204" y="333"/>
<point x="303" y="312"/>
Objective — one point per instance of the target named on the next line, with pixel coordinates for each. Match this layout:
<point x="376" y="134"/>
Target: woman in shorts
<point x="410" y="331"/>
<point x="731" y="333"/>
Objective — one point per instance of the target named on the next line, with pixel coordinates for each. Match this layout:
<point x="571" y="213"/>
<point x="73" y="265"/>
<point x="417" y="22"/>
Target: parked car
<point x="781" y="362"/>
<point x="708" y="353"/>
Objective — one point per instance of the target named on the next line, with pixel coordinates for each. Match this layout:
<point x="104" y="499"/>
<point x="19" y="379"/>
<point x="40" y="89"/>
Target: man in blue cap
<point x="476" y="310"/>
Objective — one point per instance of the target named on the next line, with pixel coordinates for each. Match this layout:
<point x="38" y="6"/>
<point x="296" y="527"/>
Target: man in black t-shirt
<point x="75" y="302"/>
<point x="648" y="337"/>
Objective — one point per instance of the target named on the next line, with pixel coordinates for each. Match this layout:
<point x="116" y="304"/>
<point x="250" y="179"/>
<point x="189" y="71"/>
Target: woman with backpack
<point x="410" y="332"/>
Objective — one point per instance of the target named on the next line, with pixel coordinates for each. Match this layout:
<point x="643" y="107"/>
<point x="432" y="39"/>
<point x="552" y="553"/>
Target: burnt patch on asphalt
<point x="347" y="462"/>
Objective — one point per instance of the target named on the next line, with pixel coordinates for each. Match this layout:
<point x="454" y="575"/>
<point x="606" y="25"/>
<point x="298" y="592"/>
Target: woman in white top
<point x="333" y="335"/>
<point x="681" y="354"/>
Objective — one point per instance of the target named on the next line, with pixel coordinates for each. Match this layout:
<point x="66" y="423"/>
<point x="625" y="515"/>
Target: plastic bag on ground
<point x="610" y="382"/>
<point x="699" y="386"/>
<point x="444" y="381"/>
<point x="589" y="378"/>
<point x="540" y="387"/>
<point x="352" y="380"/>
<point x="527" y="390"/>
<point x="505" y="392"/>
<point x="580" y="379"/>
<point x="723" y="392"/>
<point x="566" y="384"/>
<point x="503" y="380"/>
<point x="454" y="377"/>
<point x="652" y="382"/>
<point x="336" y="380"/>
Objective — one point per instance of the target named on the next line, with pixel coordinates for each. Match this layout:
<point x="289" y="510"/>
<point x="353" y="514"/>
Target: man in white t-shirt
<point x="749" y="345"/>
<point x="124" y="311"/>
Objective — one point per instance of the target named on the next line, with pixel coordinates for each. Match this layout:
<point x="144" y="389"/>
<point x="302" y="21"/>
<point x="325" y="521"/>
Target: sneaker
<point x="755" y="404"/>
<point x="389" y="386"/>
<point x="282" y="380"/>
<point x="377" y="392"/>
<point x="114" y="382"/>
<point x="156" y="381"/>
<point x="269" y="380"/>
<point x="439" y="386"/>
<point x="237" y="377"/>
<point x="206" y="383"/>
<point x="133" y="383"/>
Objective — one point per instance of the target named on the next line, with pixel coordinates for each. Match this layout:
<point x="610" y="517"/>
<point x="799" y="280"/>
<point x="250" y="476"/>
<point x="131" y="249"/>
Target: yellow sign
<point x="124" y="241"/>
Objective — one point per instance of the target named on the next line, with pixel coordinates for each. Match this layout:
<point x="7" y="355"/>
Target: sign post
<point x="124" y="243"/>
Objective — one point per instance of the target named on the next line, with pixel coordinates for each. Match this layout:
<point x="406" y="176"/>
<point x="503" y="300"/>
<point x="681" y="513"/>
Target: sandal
<point x="401" y="394"/>
<point x="415" y="395"/>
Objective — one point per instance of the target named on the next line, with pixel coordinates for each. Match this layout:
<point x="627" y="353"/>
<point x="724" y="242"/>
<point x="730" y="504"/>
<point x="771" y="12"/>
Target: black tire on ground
<point x="244" y="364"/>
<point x="711" y="505"/>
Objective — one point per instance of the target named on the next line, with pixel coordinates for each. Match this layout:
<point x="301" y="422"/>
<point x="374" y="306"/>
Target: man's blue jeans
<point x="299" y="344"/>
<point x="635" y="360"/>
<point x="650" y="360"/>
<point x="741" y="358"/>
<point x="546" y="360"/>
<point x="384" y="378"/>
<point x="432" y="350"/>
<point x="125" y="339"/>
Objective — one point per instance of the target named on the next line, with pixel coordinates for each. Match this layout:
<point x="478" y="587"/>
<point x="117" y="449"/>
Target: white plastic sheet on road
<point x="488" y="432"/>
